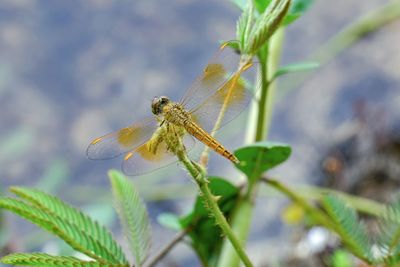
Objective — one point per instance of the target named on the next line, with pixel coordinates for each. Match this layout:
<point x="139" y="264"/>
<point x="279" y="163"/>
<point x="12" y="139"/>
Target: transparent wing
<point x="224" y="63"/>
<point x="143" y="160"/>
<point x="114" y="144"/>
<point x="232" y="98"/>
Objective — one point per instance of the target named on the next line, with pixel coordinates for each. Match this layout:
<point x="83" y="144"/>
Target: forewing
<point x="224" y="63"/>
<point x="114" y="144"/>
<point x="232" y="98"/>
<point x="142" y="160"/>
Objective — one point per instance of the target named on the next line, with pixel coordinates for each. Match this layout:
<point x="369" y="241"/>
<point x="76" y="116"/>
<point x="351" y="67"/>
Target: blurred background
<point x="71" y="71"/>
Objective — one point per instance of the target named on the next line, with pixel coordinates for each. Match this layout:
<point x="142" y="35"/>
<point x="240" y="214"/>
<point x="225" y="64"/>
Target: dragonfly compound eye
<point x="158" y="103"/>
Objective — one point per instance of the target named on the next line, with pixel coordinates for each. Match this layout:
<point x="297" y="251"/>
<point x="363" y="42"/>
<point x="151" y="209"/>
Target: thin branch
<point x="161" y="254"/>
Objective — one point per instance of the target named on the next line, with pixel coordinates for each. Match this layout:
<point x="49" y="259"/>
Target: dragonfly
<point x="217" y="96"/>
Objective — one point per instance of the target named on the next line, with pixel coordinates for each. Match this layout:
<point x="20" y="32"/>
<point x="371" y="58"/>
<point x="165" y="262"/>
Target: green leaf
<point x="243" y="27"/>
<point x="260" y="157"/>
<point x="261" y="5"/>
<point x="73" y="216"/>
<point x="296" y="10"/>
<point x="300" y="6"/>
<point x="204" y="233"/>
<point x="169" y="220"/>
<point x="266" y="25"/>
<point x="70" y="233"/>
<point x="389" y="238"/>
<point x="290" y="18"/>
<point x="46" y="260"/>
<point x="133" y="215"/>
<point x="296" y="67"/>
<point x="348" y="227"/>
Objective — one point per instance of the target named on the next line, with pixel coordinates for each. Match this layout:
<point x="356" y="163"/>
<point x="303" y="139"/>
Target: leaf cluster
<point x="78" y="230"/>
<point x="337" y="215"/>
<point x="261" y="18"/>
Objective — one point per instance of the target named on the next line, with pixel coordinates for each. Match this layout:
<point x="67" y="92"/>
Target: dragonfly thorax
<point x="175" y="113"/>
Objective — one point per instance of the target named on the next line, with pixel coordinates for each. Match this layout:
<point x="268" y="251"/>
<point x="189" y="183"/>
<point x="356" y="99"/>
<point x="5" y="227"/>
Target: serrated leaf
<point x="260" y="157"/>
<point x="46" y="260"/>
<point x="295" y="67"/>
<point x="73" y="236"/>
<point x="389" y="238"/>
<point x="65" y="212"/>
<point x="133" y="215"/>
<point x="352" y="232"/>
<point x="169" y="220"/>
<point x="205" y="235"/>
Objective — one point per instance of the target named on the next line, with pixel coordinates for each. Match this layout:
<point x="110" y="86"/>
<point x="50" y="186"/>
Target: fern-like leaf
<point x="84" y="223"/>
<point x="133" y="216"/>
<point x="46" y="260"/>
<point x="348" y="227"/>
<point x="389" y="239"/>
<point x="72" y="235"/>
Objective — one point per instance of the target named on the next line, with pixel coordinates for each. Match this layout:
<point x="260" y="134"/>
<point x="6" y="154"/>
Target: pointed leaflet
<point x="348" y="227"/>
<point x="133" y="216"/>
<point x="295" y="67"/>
<point x="389" y="239"/>
<point x="45" y="260"/>
<point x="70" y="233"/>
<point x="74" y="216"/>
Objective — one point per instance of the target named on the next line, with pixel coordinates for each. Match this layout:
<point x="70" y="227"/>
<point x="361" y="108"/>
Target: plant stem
<point x="167" y="248"/>
<point x="358" y="29"/>
<point x="261" y="122"/>
<point x="319" y="216"/>
<point x="242" y="214"/>
<point x="316" y="214"/>
<point x="199" y="175"/>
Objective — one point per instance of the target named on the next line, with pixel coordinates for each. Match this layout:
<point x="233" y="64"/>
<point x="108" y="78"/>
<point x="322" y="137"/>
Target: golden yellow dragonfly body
<point x="216" y="97"/>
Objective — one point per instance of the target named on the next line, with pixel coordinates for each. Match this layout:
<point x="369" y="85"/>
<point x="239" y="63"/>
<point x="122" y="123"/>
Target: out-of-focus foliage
<point x="133" y="216"/>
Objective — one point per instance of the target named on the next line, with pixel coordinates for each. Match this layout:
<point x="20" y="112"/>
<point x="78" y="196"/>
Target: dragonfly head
<point x="158" y="103"/>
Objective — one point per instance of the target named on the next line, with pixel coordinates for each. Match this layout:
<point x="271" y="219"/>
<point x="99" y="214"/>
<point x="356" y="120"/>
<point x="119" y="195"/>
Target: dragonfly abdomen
<point x="209" y="141"/>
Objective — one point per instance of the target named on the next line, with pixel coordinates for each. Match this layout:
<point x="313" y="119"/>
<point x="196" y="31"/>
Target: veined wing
<point x="230" y="99"/>
<point x="114" y="144"/>
<point x="224" y="63"/>
<point x="145" y="158"/>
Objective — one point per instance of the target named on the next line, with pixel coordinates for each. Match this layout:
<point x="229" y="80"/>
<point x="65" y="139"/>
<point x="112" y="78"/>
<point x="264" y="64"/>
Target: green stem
<point x="242" y="214"/>
<point x="261" y="122"/>
<point x="360" y="28"/>
<point x="319" y="216"/>
<point x="315" y="213"/>
<point x="198" y="173"/>
<point x="364" y="25"/>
